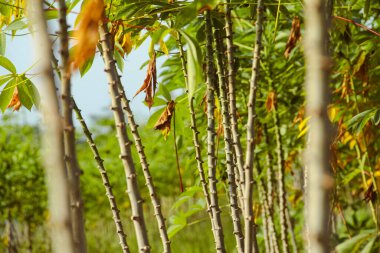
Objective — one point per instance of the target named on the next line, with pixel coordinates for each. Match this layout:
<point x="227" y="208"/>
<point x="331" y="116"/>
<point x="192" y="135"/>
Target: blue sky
<point x="90" y="91"/>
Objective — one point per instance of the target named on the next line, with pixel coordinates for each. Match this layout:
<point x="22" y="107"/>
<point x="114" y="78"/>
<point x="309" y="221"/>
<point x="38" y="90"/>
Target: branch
<point x="106" y="182"/>
<point x="194" y="129"/>
<point x="145" y="166"/>
<point x="250" y="227"/>
<point x="268" y="218"/>
<point x="281" y="182"/>
<point x="232" y="102"/>
<point x="124" y="143"/>
<point x="52" y="141"/>
<point x="357" y="24"/>
<point x="218" y="229"/>
<point x="228" y="148"/>
<point x="73" y="171"/>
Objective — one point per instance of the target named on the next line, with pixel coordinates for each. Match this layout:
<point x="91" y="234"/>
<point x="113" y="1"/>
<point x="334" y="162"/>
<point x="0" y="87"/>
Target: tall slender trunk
<point x="73" y="171"/>
<point x="281" y="182"/>
<point x="232" y="101"/>
<point x="194" y="129"/>
<point x="228" y="147"/>
<point x="211" y="85"/>
<point x="145" y="167"/>
<point x="319" y="178"/>
<point x="52" y="137"/>
<point x="249" y="225"/>
<point x="124" y="143"/>
<point x="107" y="185"/>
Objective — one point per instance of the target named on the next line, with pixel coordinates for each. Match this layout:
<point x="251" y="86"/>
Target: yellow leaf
<point x="332" y="112"/>
<point x="303" y="123"/>
<point x="163" y="47"/>
<point x="352" y="144"/>
<point x="86" y="32"/>
<point x="303" y="132"/>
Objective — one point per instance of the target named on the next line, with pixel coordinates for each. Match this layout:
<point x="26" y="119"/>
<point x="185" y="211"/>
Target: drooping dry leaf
<point x="294" y="37"/>
<point x="150" y="82"/>
<point x="164" y="122"/>
<point x="370" y="194"/>
<point x="15" y="101"/>
<point x="86" y="32"/>
<point x="271" y="101"/>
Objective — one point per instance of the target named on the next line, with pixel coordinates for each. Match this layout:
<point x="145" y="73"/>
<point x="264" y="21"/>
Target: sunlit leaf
<point x="86" y="33"/>
<point x="7" y="94"/>
<point x="3" y="43"/>
<point x="7" y="64"/>
<point x="351" y="245"/>
<point x="16" y="24"/>
<point x="194" y="64"/>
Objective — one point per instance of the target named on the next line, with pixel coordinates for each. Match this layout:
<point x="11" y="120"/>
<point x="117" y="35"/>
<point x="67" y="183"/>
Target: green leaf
<point x="6" y="94"/>
<point x="350" y="245"/>
<point x="4" y="79"/>
<point x="7" y="64"/>
<point x="51" y="14"/>
<point x="16" y="24"/>
<point x="376" y="117"/>
<point x="119" y="60"/>
<point x="194" y="64"/>
<point x="179" y="223"/>
<point x="3" y="43"/>
<point x="367" y="6"/>
<point x="360" y="120"/>
<point x="86" y="66"/>
<point x="33" y="92"/>
<point x="24" y="96"/>
<point x="368" y="246"/>
<point x="164" y="91"/>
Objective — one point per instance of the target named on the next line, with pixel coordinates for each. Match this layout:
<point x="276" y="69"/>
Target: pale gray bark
<point x="211" y="85"/>
<point x="73" y="170"/>
<point x="194" y="129"/>
<point x="107" y="185"/>
<point x="232" y="102"/>
<point x="145" y="167"/>
<point x="52" y="137"/>
<point x="124" y="143"/>
<point x="317" y="154"/>
<point x="249" y="224"/>
<point x="228" y="147"/>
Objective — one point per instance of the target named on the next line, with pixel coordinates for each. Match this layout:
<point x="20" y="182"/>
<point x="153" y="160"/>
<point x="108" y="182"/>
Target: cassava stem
<point x="249" y="224"/>
<point x="211" y="85"/>
<point x="228" y="148"/>
<point x="124" y="143"/>
<point x="106" y="182"/>
<point x="73" y="170"/>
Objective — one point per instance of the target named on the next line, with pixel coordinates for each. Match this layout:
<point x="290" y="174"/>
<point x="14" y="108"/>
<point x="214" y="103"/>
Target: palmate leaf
<point x="194" y="63"/>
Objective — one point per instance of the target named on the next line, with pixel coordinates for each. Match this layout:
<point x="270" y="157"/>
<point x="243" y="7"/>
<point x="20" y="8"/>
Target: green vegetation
<point x="180" y="89"/>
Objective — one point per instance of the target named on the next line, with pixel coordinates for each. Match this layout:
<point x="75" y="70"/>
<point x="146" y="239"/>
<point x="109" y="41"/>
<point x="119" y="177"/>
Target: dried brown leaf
<point x="164" y="122"/>
<point x="294" y="37"/>
<point x="271" y="101"/>
<point x="86" y="32"/>
<point x="15" y="101"/>
<point x="150" y="82"/>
